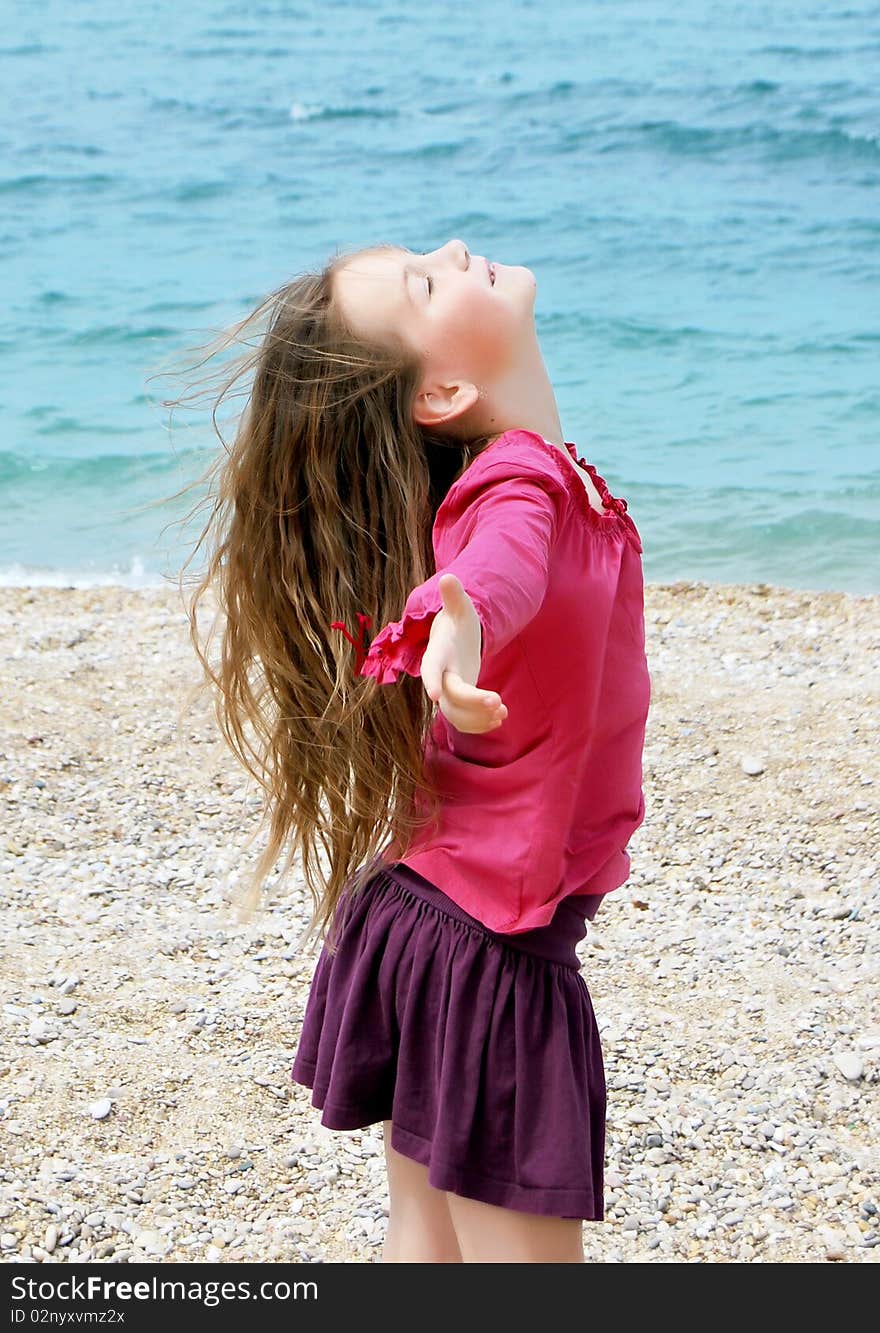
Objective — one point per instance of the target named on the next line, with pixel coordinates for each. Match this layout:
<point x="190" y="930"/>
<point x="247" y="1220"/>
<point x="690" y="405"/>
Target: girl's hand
<point x="451" y="663"/>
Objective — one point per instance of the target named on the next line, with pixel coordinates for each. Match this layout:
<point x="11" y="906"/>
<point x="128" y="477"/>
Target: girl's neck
<point x="523" y="400"/>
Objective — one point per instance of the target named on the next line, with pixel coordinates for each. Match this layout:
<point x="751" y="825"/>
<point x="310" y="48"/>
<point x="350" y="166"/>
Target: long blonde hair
<point x="321" y="509"/>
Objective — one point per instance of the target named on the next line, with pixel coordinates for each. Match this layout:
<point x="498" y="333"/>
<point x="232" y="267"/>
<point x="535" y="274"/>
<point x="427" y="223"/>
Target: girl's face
<point x="468" y="331"/>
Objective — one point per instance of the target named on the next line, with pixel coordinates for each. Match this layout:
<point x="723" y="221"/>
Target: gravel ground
<point x="147" y="1111"/>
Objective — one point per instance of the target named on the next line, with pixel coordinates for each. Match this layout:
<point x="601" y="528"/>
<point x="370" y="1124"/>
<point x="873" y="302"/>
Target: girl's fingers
<point x="449" y="585"/>
<point x="468" y="708"/>
<point x="464" y="693"/>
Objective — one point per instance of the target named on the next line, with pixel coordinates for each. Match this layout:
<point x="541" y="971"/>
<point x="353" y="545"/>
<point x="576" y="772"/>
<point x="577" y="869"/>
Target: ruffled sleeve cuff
<point x="400" y="646"/>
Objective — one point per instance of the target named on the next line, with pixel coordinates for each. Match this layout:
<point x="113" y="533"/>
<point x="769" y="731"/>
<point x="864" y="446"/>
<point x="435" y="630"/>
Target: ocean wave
<point x="134" y="575"/>
<point x="98" y="470"/>
<point x="55" y="182"/>
<point x="770" y="143"/>
<point x="302" y="111"/>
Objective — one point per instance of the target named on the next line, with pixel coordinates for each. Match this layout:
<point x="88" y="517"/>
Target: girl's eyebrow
<point x="407" y="271"/>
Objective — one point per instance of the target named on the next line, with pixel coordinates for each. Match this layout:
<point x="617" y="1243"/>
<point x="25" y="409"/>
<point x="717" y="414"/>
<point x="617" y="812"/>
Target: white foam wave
<point x="301" y="111"/>
<point x="17" y="575"/>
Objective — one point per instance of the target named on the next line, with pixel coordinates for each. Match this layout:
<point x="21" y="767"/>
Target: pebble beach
<point x="146" y="1107"/>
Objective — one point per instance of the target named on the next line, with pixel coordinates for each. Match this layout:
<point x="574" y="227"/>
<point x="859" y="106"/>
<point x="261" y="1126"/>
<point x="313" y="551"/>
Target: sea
<point x="696" y="187"/>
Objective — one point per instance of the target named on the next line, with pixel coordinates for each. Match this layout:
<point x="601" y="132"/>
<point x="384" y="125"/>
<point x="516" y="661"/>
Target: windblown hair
<point x="321" y="508"/>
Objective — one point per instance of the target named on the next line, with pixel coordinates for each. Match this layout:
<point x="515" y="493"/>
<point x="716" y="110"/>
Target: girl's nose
<point x="458" y="252"/>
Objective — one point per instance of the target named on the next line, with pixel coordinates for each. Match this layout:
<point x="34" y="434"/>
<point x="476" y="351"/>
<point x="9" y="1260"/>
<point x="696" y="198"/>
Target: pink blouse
<point x="544" y="805"/>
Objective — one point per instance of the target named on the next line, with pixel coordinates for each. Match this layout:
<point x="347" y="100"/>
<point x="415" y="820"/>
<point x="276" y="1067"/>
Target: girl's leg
<point x="488" y="1234"/>
<point x="420" y="1229"/>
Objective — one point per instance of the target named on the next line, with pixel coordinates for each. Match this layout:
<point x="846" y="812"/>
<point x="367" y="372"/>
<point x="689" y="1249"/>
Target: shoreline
<point x="734" y="976"/>
<point x="61" y="582"/>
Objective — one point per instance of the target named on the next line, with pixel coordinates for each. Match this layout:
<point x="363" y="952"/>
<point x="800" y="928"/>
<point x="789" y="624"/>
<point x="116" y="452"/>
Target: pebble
<point x="850" y="1065"/>
<point x="152" y="1242"/>
<point x="834" y="1243"/>
<point x="42" y="1033"/>
<point x="101" y="1109"/>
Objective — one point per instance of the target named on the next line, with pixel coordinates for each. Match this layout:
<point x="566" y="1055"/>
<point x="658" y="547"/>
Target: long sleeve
<point x="499" y="539"/>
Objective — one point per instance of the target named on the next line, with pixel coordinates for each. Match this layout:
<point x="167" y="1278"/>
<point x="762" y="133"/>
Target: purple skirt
<point x="481" y="1049"/>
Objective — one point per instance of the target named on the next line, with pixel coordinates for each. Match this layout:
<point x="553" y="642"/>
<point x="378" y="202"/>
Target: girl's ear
<point x="443" y="403"/>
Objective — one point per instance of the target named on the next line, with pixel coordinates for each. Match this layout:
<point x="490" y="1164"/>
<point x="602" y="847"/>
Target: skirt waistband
<point x="556" y="942"/>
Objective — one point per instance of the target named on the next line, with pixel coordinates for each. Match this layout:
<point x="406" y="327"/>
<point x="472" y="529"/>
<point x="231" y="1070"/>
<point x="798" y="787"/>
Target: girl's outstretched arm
<point x="497" y="551"/>
<point x="451" y="663"/>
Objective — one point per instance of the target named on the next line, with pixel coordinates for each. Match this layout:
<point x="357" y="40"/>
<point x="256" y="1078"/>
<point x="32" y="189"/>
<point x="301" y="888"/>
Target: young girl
<point x="401" y="455"/>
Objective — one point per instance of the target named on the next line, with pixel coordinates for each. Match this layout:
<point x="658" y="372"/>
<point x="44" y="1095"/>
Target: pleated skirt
<point x="481" y="1049"/>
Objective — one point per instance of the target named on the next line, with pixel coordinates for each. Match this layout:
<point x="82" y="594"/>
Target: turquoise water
<point x="694" y="185"/>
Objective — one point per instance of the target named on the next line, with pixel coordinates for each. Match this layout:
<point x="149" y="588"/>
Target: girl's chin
<point x="519" y="273"/>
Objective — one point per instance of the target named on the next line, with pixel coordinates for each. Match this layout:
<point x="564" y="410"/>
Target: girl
<point x="401" y="452"/>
